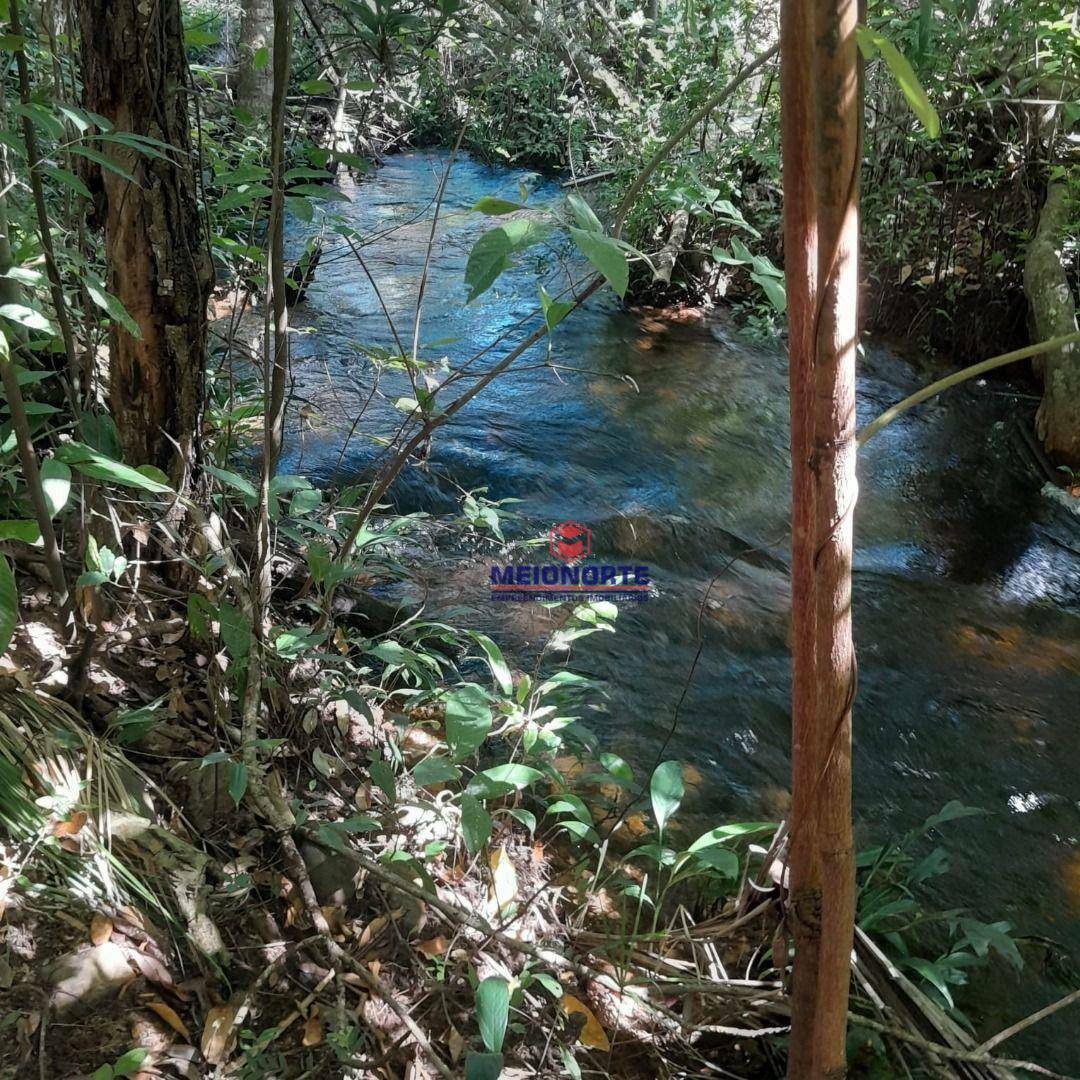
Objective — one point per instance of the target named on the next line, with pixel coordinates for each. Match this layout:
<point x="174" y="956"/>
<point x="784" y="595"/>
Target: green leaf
<point x="260" y="58"/>
<point x="728" y="832"/>
<point x="583" y="214"/>
<point x="666" y="791"/>
<point x="606" y="255"/>
<point x="99" y="158"/>
<point x="26" y="316"/>
<point x="319" y="191"/>
<point x="27" y="531"/>
<point x="468" y="719"/>
<point x="130" y="1062"/>
<point x="952" y="811"/>
<point x="56" y="485"/>
<point x="500" y="670"/>
<point x="235" y="631"/>
<point x="483" y="1066"/>
<point x="435" y="770"/>
<point x="12" y="43"/>
<point x="870" y="42"/>
<point x="116" y="311"/>
<point x="554" y="310"/>
<point x="199" y="39"/>
<point x="9" y="604"/>
<point x="103" y="1073"/>
<point x="475" y="823"/>
<point x="383" y="775"/>
<point x="774" y="290"/>
<point x="317" y="86"/>
<point x="517" y="776"/>
<point x="492" y="1011"/>
<point x="89" y="462"/>
<point x="491" y="254"/>
<point x="235" y="481"/>
<point x="932" y="973"/>
<point x="68" y="179"/>
<point x="495" y="207"/>
<point x="238" y="780"/>
<point x="233" y="200"/>
<point x="721" y="859"/>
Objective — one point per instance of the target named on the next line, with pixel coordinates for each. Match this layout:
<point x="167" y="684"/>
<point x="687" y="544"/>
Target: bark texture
<point x="820" y="142"/>
<point x="1053" y="314"/>
<point x="134" y="73"/>
<point x="255" y="76"/>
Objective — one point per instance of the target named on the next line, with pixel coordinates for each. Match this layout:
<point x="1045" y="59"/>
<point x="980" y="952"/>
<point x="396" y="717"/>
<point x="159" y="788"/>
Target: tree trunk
<point x="134" y="73"/>
<point x="820" y="142"/>
<point x="255" y="77"/>
<point x="1053" y="314"/>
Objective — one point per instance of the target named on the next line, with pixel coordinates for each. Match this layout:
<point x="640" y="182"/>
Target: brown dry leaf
<point x="372" y="929"/>
<point x="70" y="845"/>
<point x="313" y="1029"/>
<point x="456" y="1041"/>
<point x="72" y="826"/>
<point x="592" y="1034"/>
<point x="168" y="1014"/>
<point x="433" y="947"/>
<point x="101" y="929"/>
<point x="217" y="1033"/>
<point x="375" y="966"/>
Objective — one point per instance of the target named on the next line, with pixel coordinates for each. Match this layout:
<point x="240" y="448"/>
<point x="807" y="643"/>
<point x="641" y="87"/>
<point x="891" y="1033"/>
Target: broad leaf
<point x="55" y="484"/>
<point x="468" y="720"/>
<point x="475" y="824"/>
<point x="492" y="1011"/>
<point x="606" y="255"/>
<point x="666" y="790"/>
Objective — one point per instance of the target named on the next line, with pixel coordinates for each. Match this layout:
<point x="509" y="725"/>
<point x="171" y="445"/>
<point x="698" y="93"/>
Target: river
<point x="667" y="437"/>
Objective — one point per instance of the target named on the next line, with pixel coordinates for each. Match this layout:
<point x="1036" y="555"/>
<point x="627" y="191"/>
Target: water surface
<point x="668" y="438"/>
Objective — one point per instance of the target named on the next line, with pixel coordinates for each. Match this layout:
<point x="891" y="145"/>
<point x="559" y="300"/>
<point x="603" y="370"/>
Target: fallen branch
<point x="957" y="377"/>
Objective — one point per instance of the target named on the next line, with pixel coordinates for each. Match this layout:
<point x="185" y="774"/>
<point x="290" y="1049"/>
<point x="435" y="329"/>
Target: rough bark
<point x="255" y="75"/>
<point x="134" y="73"/>
<point x="820" y="142"/>
<point x="1053" y="314"/>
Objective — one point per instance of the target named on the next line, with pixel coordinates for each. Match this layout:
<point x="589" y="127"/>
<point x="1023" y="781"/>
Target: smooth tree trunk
<point x="1053" y="314"/>
<point x="135" y="74"/>
<point x="255" y="74"/>
<point x="820" y="144"/>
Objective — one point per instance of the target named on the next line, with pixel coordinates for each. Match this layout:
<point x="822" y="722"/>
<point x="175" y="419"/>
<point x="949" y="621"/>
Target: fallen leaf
<point x="592" y="1034"/>
<point x="72" y="826"/>
<point x="372" y="929"/>
<point x="456" y="1041"/>
<point x="101" y="929"/>
<point x="504" y="885"/>
<point x="313" y="1029"/>
<point x="433" y="947"/>
<point x="168" y="1014"/>
<point x="217" y="1033"/>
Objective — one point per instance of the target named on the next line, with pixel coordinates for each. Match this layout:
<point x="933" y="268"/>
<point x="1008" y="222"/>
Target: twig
<point x="1034" y="1018"/>
<point x="975" y="1056"/>
<point x="957" y="377"/>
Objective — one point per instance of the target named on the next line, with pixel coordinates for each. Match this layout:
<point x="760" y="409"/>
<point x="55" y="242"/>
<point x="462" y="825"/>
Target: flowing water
<point x="667" y="437"/>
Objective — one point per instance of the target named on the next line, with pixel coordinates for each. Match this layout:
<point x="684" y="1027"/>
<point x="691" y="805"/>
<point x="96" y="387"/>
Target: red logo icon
<point x="569" y="541"/>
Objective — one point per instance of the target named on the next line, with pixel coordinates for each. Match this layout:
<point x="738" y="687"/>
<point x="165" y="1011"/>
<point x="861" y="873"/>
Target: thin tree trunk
<point x="820" y="141"/>
<point x="255" y="77"/>
<point x="1053" y="314"/>
<point x="135" y="73"/>
<point x="276" y="361"/>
